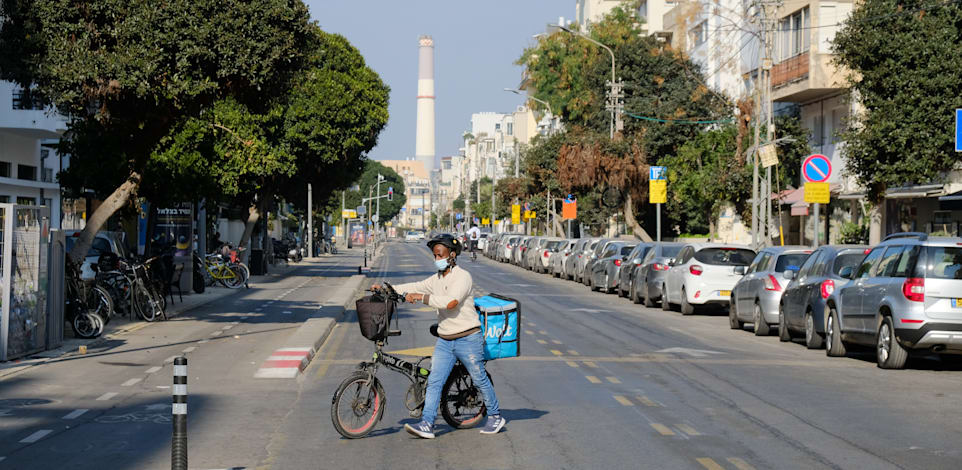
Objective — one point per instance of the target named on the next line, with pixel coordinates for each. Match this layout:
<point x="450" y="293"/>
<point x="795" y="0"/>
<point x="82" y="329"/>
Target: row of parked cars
<point x="902" y="296"/>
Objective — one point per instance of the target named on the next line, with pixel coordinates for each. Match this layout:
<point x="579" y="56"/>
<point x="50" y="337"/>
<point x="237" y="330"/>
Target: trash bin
<point x="258" y="264"/>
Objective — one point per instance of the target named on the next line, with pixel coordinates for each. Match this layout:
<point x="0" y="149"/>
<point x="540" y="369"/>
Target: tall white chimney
<point x="424" y="140"/>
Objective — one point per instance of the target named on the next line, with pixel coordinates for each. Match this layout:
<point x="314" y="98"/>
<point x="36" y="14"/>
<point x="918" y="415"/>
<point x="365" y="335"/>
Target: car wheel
<point x="760" y="326"/>
<point x="783" y="334"/>
<point x="733" y="320"/>
<point x="890" y="354"/>
<point x="591" y="284"/>
<point x="647" y="298"/>
<point x="834" y="347"/>
<point x="813" y="339"/>
<point x="633" y="293"/>
<point x="686" y="308"/>
<point x="621" y="292"/>
<point x="665" y="304"/>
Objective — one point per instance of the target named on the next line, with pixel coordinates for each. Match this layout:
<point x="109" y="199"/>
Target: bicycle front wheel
<point x="462" y="405"/>
<point x="233" y="277"/>
<point x="100" y="303"/>
<point x="146" y="305"/>
<point x="357" y="406"/>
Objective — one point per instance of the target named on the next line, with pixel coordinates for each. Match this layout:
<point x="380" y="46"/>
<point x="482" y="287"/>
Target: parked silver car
<point x="517" y="252"/>
<point x="507" y="248"/>
<point x="593" y="255"/>
<point x="650" y="275"/>
<point x="556" y="263"/>
<point x="541" y="258"/>
<point x="584" y="257"/>
<point x="605" y="271"/>
<point x="906" y="295"/>
<point x="571" y="263"/>
<point x="756" y="295"/>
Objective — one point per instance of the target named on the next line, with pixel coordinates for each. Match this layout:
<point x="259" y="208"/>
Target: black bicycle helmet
<point x="447" y="240"/>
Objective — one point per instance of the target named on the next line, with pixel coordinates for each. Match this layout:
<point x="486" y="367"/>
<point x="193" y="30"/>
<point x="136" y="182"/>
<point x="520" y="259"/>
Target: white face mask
<point x="441" y="264"/>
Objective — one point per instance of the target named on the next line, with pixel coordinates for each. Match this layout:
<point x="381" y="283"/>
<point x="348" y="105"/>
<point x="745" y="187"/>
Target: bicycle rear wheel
<point x="100" y="303"/>
<point x="357" y="406"/>
<point x="462" y="405"/>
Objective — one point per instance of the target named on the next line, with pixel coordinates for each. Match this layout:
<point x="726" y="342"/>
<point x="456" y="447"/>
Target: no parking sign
<point x="816" y="170"/>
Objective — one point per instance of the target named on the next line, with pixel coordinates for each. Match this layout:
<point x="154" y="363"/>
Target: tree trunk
<point x="253" y="215"/>
<point x="557" y="225"/>
<point x="636" y="228"/>
<point x="111" y="205"/>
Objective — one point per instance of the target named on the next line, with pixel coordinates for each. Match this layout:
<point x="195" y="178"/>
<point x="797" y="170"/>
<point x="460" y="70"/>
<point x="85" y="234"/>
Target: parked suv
<point x="756" y="296"/>
<point x="704" y="273"/>
<point x="905" y="295"/>
<point x="606" y="270"/>
<point x="802" y="308"/>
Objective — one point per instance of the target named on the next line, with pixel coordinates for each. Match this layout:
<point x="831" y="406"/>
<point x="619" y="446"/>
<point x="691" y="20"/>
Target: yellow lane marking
<point x="593" y="379"/>
<point x="662" y="429"/>
<point x="591" y="364"/>
<point x="573" y="352"/>
<point x="709" y="464"/>
<point x="542" y="332"/>
<point x="541" y="341"/>
<point x="555" y="352"/>
<point x="646" y="401"/>
<point x="623" y="400"/>
<point x="613" y="380"/>
<point x="531" y="323"/>
<point x="329" y="354"/>
<point x="555" y="341"/>
<point x="528" y="332"/>
<point x="422" y="351"/>
<point x="572" y="364"/>
<point x="740" y="464"/>
<point x="688" y="429"/>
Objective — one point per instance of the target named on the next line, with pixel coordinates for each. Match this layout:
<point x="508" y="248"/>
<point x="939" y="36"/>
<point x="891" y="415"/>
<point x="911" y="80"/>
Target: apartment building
<point x="417" y="190"/>
<point x="29" y="162"/>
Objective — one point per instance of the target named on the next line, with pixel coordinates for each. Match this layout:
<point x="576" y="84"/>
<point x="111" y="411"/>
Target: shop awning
<point x="911" y="192"/>
<point x="951" y="202"/>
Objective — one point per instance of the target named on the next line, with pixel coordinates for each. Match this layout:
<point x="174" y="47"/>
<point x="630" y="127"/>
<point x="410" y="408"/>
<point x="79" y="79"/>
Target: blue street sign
<point x="657" y="173"/>
<point x="817" y="168"/>
<point x="570" y="199"/>
<point x="958" y="130"/>
<point x="457" y="216"/>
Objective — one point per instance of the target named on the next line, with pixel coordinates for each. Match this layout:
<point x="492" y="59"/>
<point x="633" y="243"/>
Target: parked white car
<point x="704" y="273"/>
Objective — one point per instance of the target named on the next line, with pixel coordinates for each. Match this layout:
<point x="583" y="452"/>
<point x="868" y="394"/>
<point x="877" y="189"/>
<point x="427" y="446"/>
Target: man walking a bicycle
<point x="459" y="334"/>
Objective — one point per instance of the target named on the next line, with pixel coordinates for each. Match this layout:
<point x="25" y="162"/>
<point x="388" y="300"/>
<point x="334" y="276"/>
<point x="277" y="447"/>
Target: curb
<point x="289" y="362"/>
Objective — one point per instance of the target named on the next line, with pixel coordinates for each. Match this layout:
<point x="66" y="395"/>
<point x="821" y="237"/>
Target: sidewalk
<point x="120" y="326"/>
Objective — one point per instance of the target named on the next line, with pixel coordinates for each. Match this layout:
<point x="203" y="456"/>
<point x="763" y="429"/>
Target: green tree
<point x="128" y="72"/>
<point x="903" y="59"/>
<point x="367" y="183"/>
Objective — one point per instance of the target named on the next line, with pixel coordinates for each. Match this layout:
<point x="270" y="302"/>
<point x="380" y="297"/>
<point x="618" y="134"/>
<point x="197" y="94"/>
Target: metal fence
<point x="24" y="280"/>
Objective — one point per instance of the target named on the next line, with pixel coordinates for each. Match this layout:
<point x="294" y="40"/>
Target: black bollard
<point x="178" y="449"/>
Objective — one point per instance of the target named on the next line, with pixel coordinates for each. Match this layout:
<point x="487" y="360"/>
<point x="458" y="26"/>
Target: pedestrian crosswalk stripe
<point x="593" y="379"/>
<point x="542" y="332"/>
<point x="130" y="382"/>
<point x="613" y="380"/>
<point x="572" y="364"/>
<point x="36" y="436"/>
<point x="740" y="464"/>
<point x="573" y="352"/>
<point x="75" y="413"/>
<point x="541" y="341"/>
<point x="623" y="400"/>
<point x="688" y="429"/>
<point x="662" y="429"/>
<point x="591" y="364"/>
<point x="555" y="341"/>
<point x="709" y="464"/>
<point x="646" y="401"/>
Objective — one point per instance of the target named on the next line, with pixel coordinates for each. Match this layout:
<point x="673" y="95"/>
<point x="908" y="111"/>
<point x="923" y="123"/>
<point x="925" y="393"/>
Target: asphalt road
<point x="604" y="383"/>
<point x="110" y="408"/>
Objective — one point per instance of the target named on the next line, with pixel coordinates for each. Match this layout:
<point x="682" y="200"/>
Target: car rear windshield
<point x="791" y="261"/>
<point x="552" y="245"/>
<point x="670" y="251"/>
<point x="847" y="259"/>
<point x="626" y="250"/>
<point x="725" y="256"/>
<point x="943" y="262"/>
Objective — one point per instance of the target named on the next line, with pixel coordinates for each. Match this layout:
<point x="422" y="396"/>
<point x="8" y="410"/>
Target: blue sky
<point x="476" y="44"/>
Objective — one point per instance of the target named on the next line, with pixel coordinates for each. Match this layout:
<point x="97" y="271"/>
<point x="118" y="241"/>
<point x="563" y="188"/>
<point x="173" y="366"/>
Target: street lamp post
<point x="612" y="93"/>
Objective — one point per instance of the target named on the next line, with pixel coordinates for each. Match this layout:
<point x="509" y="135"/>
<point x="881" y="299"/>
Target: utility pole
<point x="762" y="214"/>
<point x="343" y="220"/>
<point x="310" y="222"/>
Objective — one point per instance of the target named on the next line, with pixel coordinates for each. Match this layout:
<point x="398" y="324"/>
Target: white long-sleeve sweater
<point x="441" y="291"/>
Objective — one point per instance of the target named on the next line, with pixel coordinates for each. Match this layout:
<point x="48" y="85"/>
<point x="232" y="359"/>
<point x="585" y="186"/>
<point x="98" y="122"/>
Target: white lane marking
<point x="258" y="309"/>
<point x="75" y="413"/>
<point x="235" y="322"/>
<point x="190" y="349"/>
<point x="130" y="382"/>
<point x="216" y="333"/>
<point x="107" y="396"/>
<point x="243" y="318"/>
<point x="170" y="359"/>
<point x="227" y="327"/>
<point x="153" y="369"/>
<point x="287" y="312"/>
<point x="203" y="341"/>
<point x="2" y="459"/>
<point x="36" y="436"/>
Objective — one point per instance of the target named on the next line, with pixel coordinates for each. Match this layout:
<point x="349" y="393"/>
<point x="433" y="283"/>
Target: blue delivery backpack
<point x="500" y="324"/>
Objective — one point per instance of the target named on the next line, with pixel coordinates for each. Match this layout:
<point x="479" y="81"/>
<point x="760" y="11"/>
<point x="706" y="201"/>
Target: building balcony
<point x="806" y="77"/>
<point x="22" y="114"/>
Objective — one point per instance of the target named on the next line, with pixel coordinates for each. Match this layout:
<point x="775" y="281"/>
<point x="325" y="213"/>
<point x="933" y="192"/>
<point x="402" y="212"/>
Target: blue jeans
<point x="469" y="350"/>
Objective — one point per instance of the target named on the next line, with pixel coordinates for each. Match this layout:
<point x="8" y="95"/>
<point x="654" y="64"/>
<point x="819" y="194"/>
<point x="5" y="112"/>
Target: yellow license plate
<point x="725" y="293"/>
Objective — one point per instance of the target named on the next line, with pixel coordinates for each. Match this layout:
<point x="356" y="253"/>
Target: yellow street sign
<point x="516" y="214"/>
<point x="485" y="221"/>
<point x="348" y="214"/>
<point x="533" y="215"/>
<point x="657" y="191"/>
<point x="818" y="193"/>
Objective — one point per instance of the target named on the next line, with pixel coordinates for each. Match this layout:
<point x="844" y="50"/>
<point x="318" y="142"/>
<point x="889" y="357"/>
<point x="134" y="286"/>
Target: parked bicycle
<point x="359" y="401"/>
<point x="215" y="268"/>
<point x="84" y="304"/>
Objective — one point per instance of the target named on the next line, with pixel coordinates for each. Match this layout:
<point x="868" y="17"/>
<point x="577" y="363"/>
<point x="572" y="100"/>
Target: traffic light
<point x="390" y="193"/>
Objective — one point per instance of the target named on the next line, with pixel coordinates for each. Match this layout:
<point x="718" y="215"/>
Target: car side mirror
<point x="846" y="272"/>
<point x="740" y="270"/>
<point x="790" y="274"/>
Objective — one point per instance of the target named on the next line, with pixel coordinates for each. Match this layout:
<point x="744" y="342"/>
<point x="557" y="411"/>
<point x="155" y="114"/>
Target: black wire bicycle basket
<point x="374" y="314"/>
